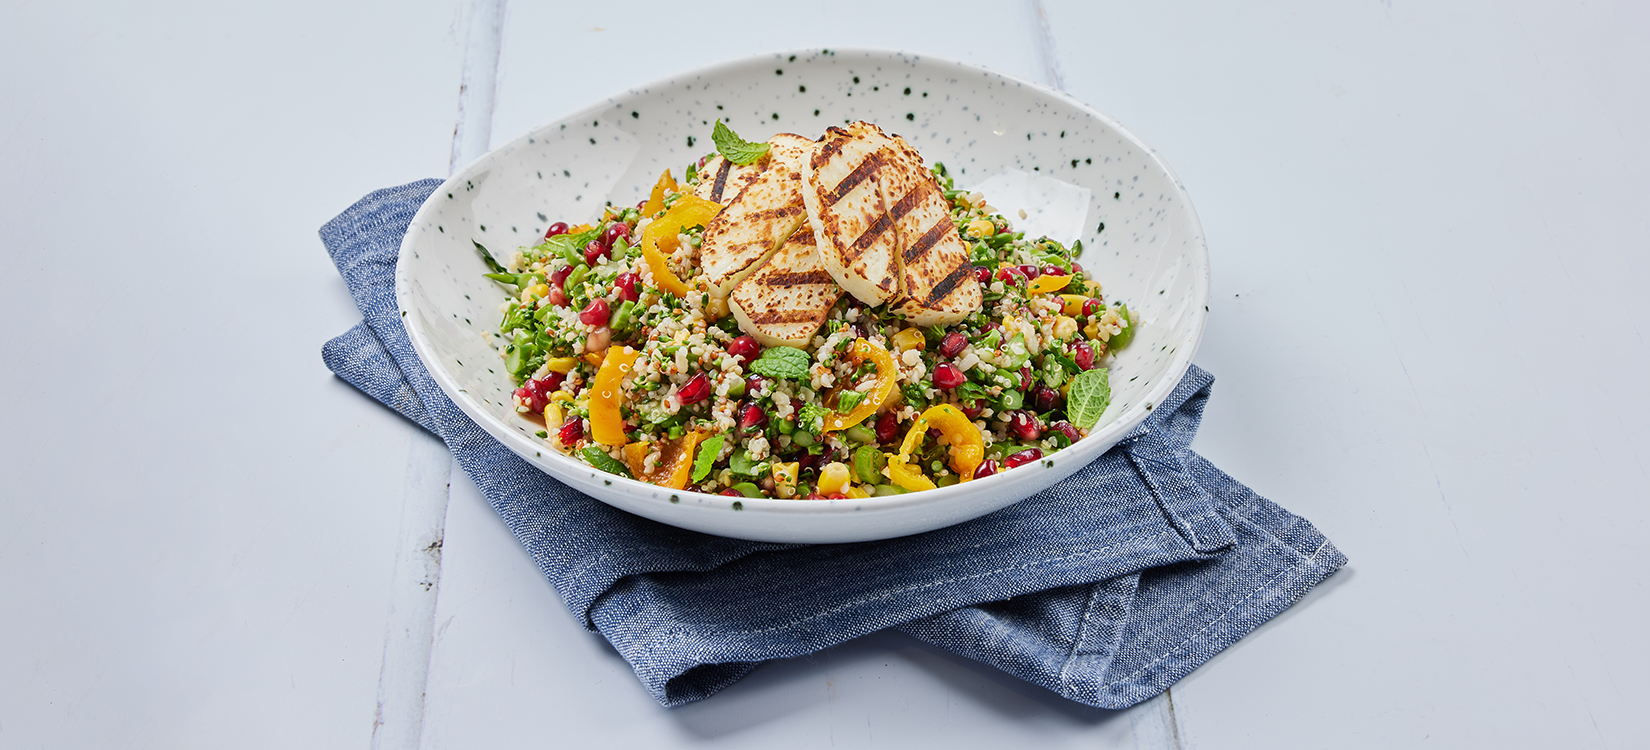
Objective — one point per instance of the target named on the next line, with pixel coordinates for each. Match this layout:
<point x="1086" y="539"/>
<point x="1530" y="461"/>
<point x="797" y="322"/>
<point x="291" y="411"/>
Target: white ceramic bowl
<point x="1150" y="254"/>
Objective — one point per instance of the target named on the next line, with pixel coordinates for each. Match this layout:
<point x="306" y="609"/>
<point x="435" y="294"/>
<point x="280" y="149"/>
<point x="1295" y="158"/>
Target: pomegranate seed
<point x="887" y="427"/>
<point x="947" y="376"/>
<point x="524" y="395"/>
<point x="1024" y="426"/>
<point x="814" y="496"/>
<point x="755" y="383"/>
<point x="596" y="313"/>
<point x="1083" y="354"/>
<point x="572" y="432"/>
<point x="1076" y="267"/>
<point x="559" y="227"/>
<point x="616" y="231"/>
<point x="982" y="274"/>
<point x="1053" y="271"/>
<point x="1023" y="457"/>
<point x="1044" y="398"/>
<point x="552" y="382"/>
<point x="557" y="297"/>
<point x="695" y="390"/>
<point x="1091" y="306"/>
<point x="625" y="283"/>
<point x="1030" y="271"/>
<point x="730" y="492"/>
<point x="1068" y="429"/>
<point x="1010" y="274"/>
<point x="973" y="409"/>
<point x="596" y="250"/>
<point x="752" y="416"/>
<point x="836" y="496"/>
<point x="558" y="277"/>
<point x="744" y="348"/>
<point x="809" y="461"/>
<point x="987" y="468"/>
<point x="953" y="344"/>
<point x="1025" y="378"/>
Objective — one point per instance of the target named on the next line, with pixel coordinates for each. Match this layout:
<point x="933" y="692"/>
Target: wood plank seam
<point x="398" y="721"/>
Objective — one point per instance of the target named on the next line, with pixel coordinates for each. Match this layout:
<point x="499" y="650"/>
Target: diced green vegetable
<point x="1123" y="338"/>
<point x="743" y="465"/>
<point x="859" y="433"/>
<point x="868" y="463"/>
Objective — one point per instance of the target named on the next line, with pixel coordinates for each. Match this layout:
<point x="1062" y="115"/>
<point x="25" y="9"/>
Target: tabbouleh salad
<point x="637" y="368"/>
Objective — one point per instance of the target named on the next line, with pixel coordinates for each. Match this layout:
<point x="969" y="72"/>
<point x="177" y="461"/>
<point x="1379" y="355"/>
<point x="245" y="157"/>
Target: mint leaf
<point x="706" y="458"/>
<point x="782" y="362"/>
<point x="1089" y="396"/>
<point x="599" y="459"/>
<point x="736" y="149"/>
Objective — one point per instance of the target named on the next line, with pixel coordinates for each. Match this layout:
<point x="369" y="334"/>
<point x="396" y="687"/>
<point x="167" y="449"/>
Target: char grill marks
<point x="785" y="300"/>
<point x="759" y="219"/>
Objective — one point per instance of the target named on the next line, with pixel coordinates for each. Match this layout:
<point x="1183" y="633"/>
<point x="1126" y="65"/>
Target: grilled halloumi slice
<point x="846" y="210"/>
<point x="785" y="300"/>
<point x="757" y="221"/>
<point x="720" y="181"/>
<point x="937" y="285"/>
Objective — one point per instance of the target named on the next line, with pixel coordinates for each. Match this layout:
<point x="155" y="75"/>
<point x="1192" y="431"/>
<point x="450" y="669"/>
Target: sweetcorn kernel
<point x="909" y="339"/>
<point x="833" y="478"/>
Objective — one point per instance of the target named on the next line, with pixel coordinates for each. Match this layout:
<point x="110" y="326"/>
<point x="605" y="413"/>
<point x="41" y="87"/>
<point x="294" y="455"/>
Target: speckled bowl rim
<point x="1084" y="451"/>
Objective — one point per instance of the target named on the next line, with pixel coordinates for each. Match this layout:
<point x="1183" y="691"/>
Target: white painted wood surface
<point x="1427" y="228"/>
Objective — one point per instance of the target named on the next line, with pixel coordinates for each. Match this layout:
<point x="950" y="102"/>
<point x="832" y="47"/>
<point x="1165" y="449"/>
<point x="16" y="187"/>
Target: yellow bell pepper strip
<point x="1046" y="284"/>
<point x="856" y="491"/>
<point x="887" y="375"/>
<point x="967" y="447"/>
<point x="656" y="200"/>
<point x="606" y="425"/>
<point x="675" y="460"/>
<point x="688" y="211"/>
<point x="907" y="476"/>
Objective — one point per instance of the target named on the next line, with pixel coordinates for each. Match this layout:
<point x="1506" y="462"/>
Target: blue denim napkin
<point x="1106" y="589"/>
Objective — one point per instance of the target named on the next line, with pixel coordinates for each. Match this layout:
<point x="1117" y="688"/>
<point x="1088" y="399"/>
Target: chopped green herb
<point x="708" y="451"/>
<point x="487" y="257"/>
<point x="599" y="459"/>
